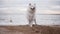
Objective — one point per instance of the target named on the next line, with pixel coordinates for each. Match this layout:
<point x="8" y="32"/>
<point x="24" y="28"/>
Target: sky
<point x="20" y="6"/>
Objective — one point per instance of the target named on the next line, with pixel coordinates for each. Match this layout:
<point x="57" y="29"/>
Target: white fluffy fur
<point x="31" y="15"/>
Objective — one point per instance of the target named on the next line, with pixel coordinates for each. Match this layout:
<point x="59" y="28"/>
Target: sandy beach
<point x="25" y="29"/>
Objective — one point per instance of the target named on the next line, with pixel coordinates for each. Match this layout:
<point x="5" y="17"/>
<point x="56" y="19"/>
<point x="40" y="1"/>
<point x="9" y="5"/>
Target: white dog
<point x="31" y="14"/>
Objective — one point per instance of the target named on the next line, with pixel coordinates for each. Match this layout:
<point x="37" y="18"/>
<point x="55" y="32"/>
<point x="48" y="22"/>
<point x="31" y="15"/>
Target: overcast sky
<point x="20" y="6"/>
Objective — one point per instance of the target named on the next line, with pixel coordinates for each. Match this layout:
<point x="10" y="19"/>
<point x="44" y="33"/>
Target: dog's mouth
<point x="32" y="8"/>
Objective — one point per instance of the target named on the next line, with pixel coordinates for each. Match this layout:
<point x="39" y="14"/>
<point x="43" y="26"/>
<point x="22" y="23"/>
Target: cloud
<point x="20" y="6"/>
<point x="13" y="3"/>
<point x="13" y="10"/>
<point x="55" y="8"/>
<point x="54" y="5"/>
<point x="55" y="2"/>
<point x="47" y="12"/>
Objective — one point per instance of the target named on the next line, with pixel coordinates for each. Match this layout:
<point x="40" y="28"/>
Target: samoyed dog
<point x="31" y="14"/>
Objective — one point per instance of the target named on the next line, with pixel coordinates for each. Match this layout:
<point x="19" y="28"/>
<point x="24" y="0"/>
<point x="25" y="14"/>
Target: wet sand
<point x="25" y="29"/>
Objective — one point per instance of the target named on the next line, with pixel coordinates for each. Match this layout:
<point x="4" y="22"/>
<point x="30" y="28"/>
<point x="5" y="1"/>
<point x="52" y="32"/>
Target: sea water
<point x="21" y="19"/>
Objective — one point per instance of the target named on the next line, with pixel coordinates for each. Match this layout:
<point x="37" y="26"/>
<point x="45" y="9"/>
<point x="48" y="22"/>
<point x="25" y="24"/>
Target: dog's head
<point x="32" y="6"/>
